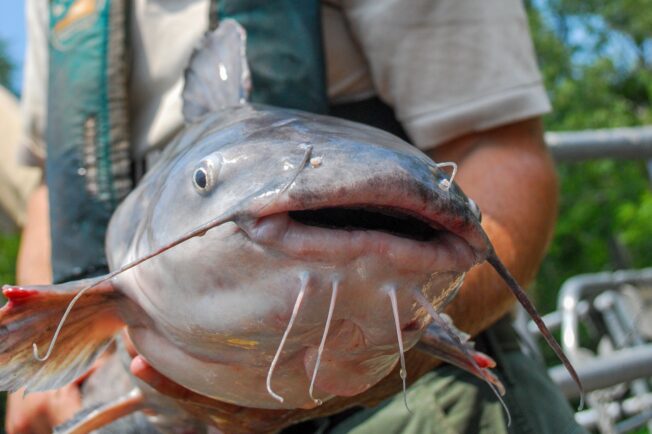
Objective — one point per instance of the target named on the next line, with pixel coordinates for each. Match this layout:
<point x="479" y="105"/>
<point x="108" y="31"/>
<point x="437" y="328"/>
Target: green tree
<point x="597" y="68"/>
<point x="6" y="65"/>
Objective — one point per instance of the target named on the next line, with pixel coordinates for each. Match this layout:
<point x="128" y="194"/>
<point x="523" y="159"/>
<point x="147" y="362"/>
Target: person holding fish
<point x="456" y="79"/>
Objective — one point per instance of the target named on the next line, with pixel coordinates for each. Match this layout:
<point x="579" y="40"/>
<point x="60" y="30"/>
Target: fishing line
<point x="295" y="311"/>
<point x="403" y="373"/>
<point x="421" y="299"/>
<point x="331" y="308"/>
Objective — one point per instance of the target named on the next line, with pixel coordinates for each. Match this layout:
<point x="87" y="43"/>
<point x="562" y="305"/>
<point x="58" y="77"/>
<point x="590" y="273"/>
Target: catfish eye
<point x="205" y="175"/>
<point x="200" y="178"/>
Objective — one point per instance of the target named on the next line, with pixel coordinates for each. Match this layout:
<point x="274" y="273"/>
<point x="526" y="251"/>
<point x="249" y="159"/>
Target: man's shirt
<point x="446" y="67"/>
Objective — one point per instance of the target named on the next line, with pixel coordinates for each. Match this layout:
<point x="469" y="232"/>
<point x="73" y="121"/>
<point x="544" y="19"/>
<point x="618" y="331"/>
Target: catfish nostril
<point x="315" y="162"/>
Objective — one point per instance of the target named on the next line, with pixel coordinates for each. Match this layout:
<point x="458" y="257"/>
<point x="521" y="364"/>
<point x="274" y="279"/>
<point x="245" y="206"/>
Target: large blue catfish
<point x="270" y="259"/>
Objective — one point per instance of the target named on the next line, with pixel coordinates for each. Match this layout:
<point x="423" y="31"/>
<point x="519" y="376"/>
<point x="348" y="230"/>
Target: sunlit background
<point x="12" y="47"/>
<point x="596" y="58"/>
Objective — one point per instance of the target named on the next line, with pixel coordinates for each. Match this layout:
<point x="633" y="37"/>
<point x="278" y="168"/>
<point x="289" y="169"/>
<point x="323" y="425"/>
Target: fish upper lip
<point x="446" y="211"/>
<point x="444" y="252"/>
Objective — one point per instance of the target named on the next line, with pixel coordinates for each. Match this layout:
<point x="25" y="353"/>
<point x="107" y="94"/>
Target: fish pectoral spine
<point x="441" y="322"/>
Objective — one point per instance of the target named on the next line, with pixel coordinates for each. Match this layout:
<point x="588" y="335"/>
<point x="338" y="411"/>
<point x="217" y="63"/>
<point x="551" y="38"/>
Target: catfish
<point x="271" y="259"/>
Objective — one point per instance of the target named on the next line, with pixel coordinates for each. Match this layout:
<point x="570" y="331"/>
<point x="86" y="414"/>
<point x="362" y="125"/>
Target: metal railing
<point x="615" y="375"/>
<point x="618" y="143"/>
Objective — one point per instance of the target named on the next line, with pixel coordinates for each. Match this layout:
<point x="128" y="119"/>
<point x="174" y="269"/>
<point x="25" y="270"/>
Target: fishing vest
<point x="89" y="165"/>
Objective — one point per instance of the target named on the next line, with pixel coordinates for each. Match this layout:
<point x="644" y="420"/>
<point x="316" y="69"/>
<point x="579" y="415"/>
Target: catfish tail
<point x="31" y="316"/>
<point x="523" y="299"/>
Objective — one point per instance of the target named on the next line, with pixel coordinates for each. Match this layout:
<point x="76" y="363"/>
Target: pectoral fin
<point x="31" y="317"/>
<point x="438" y="342"/>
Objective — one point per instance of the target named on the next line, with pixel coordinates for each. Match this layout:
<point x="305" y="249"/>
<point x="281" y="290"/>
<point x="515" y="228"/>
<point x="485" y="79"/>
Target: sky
<point x="12" y="31"/>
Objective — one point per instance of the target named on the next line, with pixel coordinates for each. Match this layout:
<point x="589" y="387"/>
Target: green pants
<point x="450" y="401"/>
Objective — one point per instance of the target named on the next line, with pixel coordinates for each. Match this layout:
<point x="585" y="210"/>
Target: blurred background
<point x="596" y="59"/>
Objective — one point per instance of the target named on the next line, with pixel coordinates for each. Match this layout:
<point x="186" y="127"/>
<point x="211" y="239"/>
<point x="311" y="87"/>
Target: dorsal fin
<point x="217" y="75"/>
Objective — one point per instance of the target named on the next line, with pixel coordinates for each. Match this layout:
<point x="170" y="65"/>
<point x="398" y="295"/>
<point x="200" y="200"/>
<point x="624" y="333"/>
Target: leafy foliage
<point x="598" y="72"/>
<point x="6" y="66"/>
<point x="8" y="252"/>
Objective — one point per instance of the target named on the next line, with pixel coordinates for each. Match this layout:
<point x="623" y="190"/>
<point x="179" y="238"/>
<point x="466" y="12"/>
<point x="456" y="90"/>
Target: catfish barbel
<point x="271" y="258"/>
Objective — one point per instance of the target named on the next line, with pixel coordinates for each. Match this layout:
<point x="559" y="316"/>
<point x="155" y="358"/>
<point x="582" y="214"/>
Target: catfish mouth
<point x="390" y="221"/>
<point x="348" y="232"/>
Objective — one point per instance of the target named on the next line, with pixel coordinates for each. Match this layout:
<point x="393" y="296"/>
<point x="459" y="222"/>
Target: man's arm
<point x="510" y="175"/>
<point x="33" y="262"/>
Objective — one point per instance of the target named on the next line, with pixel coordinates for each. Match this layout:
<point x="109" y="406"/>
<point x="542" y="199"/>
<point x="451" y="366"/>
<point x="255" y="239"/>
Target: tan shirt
<point x="447" y="67"/>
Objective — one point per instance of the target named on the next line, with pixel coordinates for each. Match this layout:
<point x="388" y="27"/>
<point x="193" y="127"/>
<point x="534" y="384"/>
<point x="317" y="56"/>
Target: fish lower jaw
<point x="445" y="252"/>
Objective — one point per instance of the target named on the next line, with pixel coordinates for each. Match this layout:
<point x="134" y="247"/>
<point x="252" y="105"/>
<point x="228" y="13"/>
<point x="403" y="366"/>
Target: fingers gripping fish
<point x="260" y="261"/>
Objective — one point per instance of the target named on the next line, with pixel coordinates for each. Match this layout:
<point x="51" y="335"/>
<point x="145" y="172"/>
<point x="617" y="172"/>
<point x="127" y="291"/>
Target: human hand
<point x="40" y="412"/>
<point x="227" y="417"/>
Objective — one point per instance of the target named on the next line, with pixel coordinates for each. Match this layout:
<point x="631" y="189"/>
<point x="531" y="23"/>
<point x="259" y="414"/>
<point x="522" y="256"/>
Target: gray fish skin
<point x="216" y="306"/>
